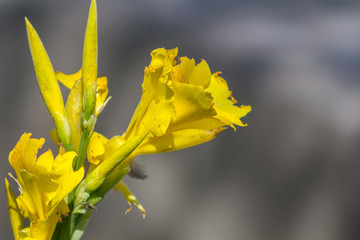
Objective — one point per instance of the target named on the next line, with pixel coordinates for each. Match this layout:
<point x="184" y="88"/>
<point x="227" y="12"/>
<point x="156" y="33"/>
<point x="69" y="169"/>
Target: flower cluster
<point x="183" y="104"/>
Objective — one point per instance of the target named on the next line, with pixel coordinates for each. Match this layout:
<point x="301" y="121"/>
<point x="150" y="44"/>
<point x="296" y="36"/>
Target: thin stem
<point x="79" y="160"/>
<point x="87" y="127"/>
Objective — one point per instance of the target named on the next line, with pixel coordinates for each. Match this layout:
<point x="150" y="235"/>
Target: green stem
<point x="63" y="229"/>
<point x="81" y="225"/>
<point x="70" y="148"/>
<point x="84" y="142"/>
<point x="87" y="127"/>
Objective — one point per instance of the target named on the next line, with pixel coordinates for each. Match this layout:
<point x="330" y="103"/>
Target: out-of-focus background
<point x="292" y="174"/>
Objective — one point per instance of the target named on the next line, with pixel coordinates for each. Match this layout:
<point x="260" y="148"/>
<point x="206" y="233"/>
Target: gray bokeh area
<point x="292" y="174"/>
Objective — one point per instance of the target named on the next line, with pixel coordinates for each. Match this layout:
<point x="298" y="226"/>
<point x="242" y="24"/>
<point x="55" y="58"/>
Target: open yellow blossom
<point x="182" y="105"/>
<point x="44" y="182"/>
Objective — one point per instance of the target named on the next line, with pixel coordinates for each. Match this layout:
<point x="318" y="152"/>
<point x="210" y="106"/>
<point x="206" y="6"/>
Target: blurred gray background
<point x="292" y="174"/>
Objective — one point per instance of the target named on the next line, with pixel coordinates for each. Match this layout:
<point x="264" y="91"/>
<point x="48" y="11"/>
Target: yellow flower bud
<point x="89" y="66"/>
<point x="48" y="84"/>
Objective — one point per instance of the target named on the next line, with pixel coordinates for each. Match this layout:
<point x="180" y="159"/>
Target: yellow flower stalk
<point x="44" y="183"/>
<point x="49" y="86"/>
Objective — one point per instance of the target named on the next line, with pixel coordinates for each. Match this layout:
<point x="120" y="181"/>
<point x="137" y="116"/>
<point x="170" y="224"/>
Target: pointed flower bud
<point x="89" y="69"/>
<point x="48" y="84"/>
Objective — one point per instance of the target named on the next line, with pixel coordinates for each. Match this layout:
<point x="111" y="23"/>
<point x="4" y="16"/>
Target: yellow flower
<point x="44" y="183"/>
<point x="182" y="105"/>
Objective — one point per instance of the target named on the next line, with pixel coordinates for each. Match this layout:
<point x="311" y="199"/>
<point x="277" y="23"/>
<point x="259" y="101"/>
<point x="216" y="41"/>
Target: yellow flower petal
<point x="155" y="88"/>
<point x="101" y="94"/>
<point x="43" y="165"/>
<point x="23" y="156"/>
<point x="74" y="108"/>
<point x="96" y="148"/>
<point x="181" y="72"/>
<point x="177" y="140"/>
<point x="43" y="229"/>
<point x="158" y="117"/>
<point x="65" y="176"/>
<point x="192" y="103"/>
<point x="187" y="72"/>
<point x="69" y="80"/>
<point x="201" y="75"/>
<point x="33" y="197"/>
<point x="227" y="112"/>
